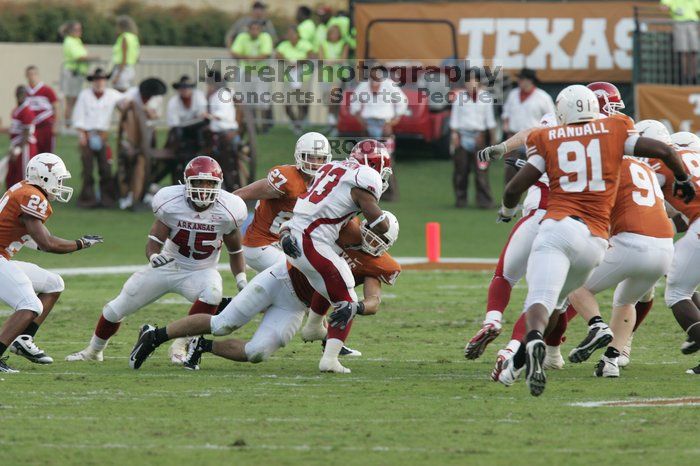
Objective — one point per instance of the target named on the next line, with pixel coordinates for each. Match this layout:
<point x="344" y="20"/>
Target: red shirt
<point x="22" y="117"/>
<point x="41" y="99"/>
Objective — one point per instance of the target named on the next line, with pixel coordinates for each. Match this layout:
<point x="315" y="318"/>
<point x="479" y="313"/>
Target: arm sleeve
<point x="369" y="180"/>
<point x="534" y="157"/>
<point x="78" y="116"/>
<point x="239" y="213"/>
<point x="172" y="117"/>
<point x="34" y="204"/>
<point x="278" y="180"/>
<point x="50" y="94"/>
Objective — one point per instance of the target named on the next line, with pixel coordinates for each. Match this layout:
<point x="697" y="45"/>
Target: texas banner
<point x="564" y="42"/>
<point x="676" y="106"/>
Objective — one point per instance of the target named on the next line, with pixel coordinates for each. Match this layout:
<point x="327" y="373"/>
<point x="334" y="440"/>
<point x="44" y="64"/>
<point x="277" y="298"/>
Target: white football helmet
<point x="47" y="171"/>
<point x="576" y="104"/>
<point x="375" y="244"/>
<point x="311" y="152"/>
<point x="686" y="140"/>
<point x="653" y="129"/>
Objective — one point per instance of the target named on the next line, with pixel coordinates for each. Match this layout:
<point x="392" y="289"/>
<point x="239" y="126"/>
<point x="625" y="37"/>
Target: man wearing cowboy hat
<point x="185" y="116"/>
<point x="91" y="118"/>
<point x="134" y="159"/>
<point x="524" y="106"/>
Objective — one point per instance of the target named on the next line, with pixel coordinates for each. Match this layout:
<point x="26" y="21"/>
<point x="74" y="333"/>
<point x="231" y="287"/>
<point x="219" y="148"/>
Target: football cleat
<point x="144" y="347"/>
<point x="178" y="351"/>
<point x="486" y="334"/>
<point x="695" y="370"/>
<point x="88" y="354"/>
<point x="4" y="368"/>
<point x="599" y="335"/>
<point x="500" y="360"/>
<point x="24" y="346"/>
<point x="624" y="359"/>
<point x="344" y="350"/>
<point x="607" y="367"/>
<point x="194" y="354"/>
<point x="689" y="346"/>
<point x="313" y="332"/>
<point x="332" y="365"/>
<point x="509" y="374"/>
<point x="535" y="378"/>
<point x="553" y="360"/>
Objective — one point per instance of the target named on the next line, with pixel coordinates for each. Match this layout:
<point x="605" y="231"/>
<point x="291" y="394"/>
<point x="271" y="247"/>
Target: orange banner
<point x="676" y="106"/>
<point x="565" y="42"/>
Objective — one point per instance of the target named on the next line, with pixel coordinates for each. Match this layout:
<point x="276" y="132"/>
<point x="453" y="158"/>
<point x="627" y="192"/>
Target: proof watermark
<point x="357" y="83"/>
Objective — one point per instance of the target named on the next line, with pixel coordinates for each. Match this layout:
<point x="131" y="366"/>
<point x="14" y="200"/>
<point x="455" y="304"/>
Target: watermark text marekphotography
<point x="338" y="82"/>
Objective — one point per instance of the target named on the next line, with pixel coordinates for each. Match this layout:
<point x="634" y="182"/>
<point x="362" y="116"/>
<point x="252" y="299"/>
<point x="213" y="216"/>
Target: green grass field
<point x="411" y="399"/>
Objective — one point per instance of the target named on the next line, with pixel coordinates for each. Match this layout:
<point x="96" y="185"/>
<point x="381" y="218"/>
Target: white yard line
<point x="124" y="269"/>
<point x="640" y="403"/>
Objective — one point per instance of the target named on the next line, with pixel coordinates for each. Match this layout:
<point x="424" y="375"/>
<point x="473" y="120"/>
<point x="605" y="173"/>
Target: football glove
<point x="159" y="260"/>
<point x="89" y="240"/>
<point x="506" y="214"/>
<point x="492" y="152"/>
<point x="344" y="312"/>
<point x="684" y="189"/>
<point x="289" y="244"/>
<point x="516" y="163"/>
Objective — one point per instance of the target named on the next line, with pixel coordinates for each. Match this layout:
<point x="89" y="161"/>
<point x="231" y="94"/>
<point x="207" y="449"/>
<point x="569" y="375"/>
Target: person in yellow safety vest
<point x="324" y="14"/>
<point x="686" y="35"/>
<point x="75" y="63"/>
<point x="332" y="52"/>
<point x="305" y="25"/>
<point x="125" y="53"/>
<point x="291" y="51"/>
<point x="342" y="20"/>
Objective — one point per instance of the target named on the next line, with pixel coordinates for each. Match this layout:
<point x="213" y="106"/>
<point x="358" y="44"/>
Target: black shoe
<point x="599" y="336"/>
<point x="689" y="346"/>
<point x="144" y="347"/>
<point x="534" y="373"/>
<point x="222" y="305"/>
<point x="344" y="351"/>
<point x="695" y="370"/>
<point x="4" y="368"/>
<point x="194" y="354"/>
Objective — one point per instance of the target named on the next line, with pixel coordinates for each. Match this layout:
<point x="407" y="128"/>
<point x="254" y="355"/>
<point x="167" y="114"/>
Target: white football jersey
<point x="323" y="210"/>
<point x="537" y="194"/>
<point x="196" y="237"/>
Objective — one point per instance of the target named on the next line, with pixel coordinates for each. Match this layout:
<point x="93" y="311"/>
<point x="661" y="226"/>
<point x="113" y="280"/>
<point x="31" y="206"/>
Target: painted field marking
<point x="642" y="403"/>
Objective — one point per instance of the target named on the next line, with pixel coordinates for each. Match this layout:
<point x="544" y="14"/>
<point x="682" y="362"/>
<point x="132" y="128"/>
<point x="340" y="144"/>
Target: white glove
<point x="89" y="240"/>
<point x="159" y="260"/>
<point x="241" y="280"/>
<point x="506" y="214"/>
<point x="490" y="153"/>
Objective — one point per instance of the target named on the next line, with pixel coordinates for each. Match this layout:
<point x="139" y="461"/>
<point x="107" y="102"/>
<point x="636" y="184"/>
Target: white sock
<point x="314" y="319"/>
<point x="513" y="345"/>
<point x="333" y="347"/>
<point x="553" y="350"/>
<point x="98" y="344"/>
<point x="493" y="316"/>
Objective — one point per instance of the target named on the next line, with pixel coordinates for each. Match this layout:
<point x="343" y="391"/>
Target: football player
<point x="684" y="276"/>
<point x="283" y="293"/>
<point x="582" y="158"/>
<point x="29" y="290"/>
<point x="641" y="247"/>
<point x="276" y="196"/>
<point x="192" y="222"/>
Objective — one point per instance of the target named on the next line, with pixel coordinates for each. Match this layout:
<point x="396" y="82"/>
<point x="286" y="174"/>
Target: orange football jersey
<point x="583" y="165"/>
<point x="21" y="199"/>
<point x="691" y="160"/>
<point x="639" y="205"/>
<point x="270" y="214"/>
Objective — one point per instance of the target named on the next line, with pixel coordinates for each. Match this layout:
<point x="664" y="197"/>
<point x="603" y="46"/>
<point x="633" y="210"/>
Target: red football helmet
<point x="203" y="179"/>
<point x="609" y="98"/>
<point x="375" y="155"/>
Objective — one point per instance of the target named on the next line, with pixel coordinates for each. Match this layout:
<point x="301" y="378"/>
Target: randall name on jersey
<point x="594" y="127"/>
